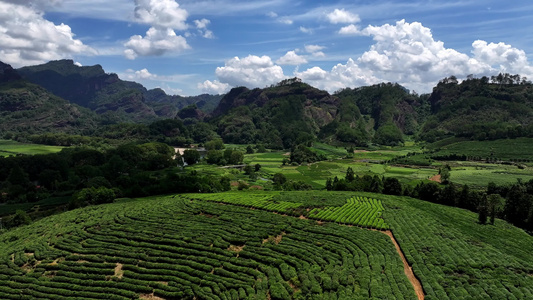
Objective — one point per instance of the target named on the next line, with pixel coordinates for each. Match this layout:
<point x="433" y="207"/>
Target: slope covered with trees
<point x="118" y="100"/>
<point x="480" y="108"/>
<point x="28" y="108"/>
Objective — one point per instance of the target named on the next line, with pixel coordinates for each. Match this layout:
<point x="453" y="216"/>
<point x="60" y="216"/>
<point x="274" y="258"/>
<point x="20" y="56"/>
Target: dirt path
<point x="406" y="268"/>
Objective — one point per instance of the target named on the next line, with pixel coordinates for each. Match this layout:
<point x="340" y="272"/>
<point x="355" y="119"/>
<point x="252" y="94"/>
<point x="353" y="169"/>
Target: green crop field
<point x="456" y="258"/>
<point x="8" y="148"/>
<point x="265" y="245"/>
<point x="504" y="149"/>
<point x="182" y="248"/>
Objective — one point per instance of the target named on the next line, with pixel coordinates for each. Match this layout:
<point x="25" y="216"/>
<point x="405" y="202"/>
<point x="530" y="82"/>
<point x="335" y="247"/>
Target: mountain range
<point x="60" y="96"/>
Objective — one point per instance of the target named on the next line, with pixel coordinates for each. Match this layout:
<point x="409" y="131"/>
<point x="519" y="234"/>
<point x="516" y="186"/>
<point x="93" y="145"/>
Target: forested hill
<point x="481" y="108"/>
<point x="31" y="109"/>
<point x="280" y="116"/>
<point x="107" y="94"/>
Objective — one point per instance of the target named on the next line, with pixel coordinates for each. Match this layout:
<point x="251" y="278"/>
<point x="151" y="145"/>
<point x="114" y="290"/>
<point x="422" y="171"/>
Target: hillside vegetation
<point x="205" y="250"/>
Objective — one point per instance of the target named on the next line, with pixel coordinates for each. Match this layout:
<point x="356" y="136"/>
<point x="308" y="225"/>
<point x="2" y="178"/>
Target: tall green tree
<point x="191" y="156"/>
<point x="350" y="175"/>
<point x="495" y="206"/>
<point x="483" y="210"/>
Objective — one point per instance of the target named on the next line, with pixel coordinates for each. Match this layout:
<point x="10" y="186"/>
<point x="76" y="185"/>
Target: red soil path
<point x="406" y="268"/>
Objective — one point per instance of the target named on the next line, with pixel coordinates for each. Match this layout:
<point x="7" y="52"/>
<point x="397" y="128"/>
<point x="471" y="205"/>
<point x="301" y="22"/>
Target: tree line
<point x="513" y="203"/>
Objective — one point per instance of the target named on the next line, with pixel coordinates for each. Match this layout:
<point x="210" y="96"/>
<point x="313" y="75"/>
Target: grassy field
<point x="9" y="148"/>
<point x="251" y="245"/>
<point x="474" y="173"/>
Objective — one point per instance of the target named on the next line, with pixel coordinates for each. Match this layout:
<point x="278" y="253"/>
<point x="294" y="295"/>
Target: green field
<point x="232" y="246"/>
<point x="177" y="248"/>
<point x="504" y="149"/>
<point x="9" y="148"/>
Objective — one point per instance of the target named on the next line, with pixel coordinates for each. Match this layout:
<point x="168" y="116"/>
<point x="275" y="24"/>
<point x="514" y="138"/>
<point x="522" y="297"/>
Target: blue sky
<point x="189" y="47"/>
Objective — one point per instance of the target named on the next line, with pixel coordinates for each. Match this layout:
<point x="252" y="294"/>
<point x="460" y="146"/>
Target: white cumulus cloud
<point x="502" y="56"/>
<point x="251" y="71"/>
<point x="161" y="13"/>
<point x="306" y="30"/>
<point x="291" y="58"/>
<point x="349" y="30"/>
<point x="340" y="76"/>
<point x="143" y="74"/>
<point x="408" y="54"/>
<point x="156" y="42"/>
<point x="213" y="87"/>
<point x="342" y="16"/>
<point x="201" y="25"/>
<point x="315" y="50"/>
<point x="27" y="38"/>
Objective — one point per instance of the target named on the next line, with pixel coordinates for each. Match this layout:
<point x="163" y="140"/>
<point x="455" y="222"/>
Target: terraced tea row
<point x="176" y="248"/>
<point x="262" y="201"/>
<point x="456" y="258"/>
<point x="360" y="211"/>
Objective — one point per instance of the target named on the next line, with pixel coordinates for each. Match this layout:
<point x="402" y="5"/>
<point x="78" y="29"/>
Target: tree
<point x="93" y="195"/>
<point x="445" y="174"/>
<point x="249" y="150"/>
<point x="279" y="179"/>
<point x="257" y="167"/>
<point x="215" y="144"/>
<point x="350" y="175"/>
<point x="215" y="157"/>
<point x="329" y="184"/>
<point x="517" y="205"/>
<point x="248" y="170"/>
<point x="392" y="186"/>
<point x="21" y="218"/>
<point x="17" y="176"/>
<point x="236" y="157"/>
<point x="495" y="206"/>
<point x="261" y="148"/>
<point x="191" y="156"/>
<point x="483" y="210"/>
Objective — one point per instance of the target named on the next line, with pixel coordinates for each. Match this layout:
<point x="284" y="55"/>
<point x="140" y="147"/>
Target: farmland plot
<point x="182" y="248"/>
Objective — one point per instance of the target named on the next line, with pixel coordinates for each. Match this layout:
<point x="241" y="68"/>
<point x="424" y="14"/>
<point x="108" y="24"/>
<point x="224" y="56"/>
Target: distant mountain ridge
<point x="92" y="87"/>
<point x="29" y="108"/>
<point x="280" y="116"/>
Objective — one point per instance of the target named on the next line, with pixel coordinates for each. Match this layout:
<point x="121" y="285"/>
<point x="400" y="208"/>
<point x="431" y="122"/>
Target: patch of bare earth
<point x="56" y="261"/>
<point x="294" y="287"/>
<point x="436" y="178"/>
<point x="235" y="248"/>
<point x="408" y="270"/>
<point x="302" y="217"/>
<point x="149" y="297"/>
<point x="274" y="239"/>
<point x="118" y="271"/>
<point x="256" y="187"/>
<point x="234" y="183"/>
<point x="49" y="274"/>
